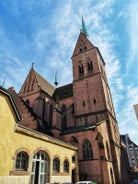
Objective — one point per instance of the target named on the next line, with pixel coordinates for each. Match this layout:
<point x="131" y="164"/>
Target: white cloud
<point x="133" y="32"/>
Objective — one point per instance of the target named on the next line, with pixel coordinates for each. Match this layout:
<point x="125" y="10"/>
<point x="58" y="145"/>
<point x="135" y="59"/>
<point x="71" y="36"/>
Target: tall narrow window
<point x="87" y="150"/>
<point x="63" y="108"/>
<point x="81" y="70"/>
<point x="90" y="67"/>
<point x="22" y="161"/>
<point x="66" y="166"/>
<point x="38" y="106"/>
<point x="107" y="149"/>
<point x="56" y="165"/>
<point x="64" y="117"/>
<point x="73" y="158"/>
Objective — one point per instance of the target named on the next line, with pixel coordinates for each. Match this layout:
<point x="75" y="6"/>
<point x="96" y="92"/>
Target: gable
<point x="30" y="84"/>
<point x="34" y="83"/>
<point x="8" y="105"/>
<point x="44" y="84"/>
<point x="82" y="45"/>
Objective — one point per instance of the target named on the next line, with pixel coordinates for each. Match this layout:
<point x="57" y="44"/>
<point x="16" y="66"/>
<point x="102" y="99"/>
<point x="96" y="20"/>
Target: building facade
<point x="126" y="174"/>
<point x="80" y="113"/>
<point x="132" y="151"/>
<point x="28" y="156"/>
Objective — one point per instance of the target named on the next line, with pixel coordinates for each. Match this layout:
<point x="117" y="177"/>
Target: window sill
<point x="19" y="173"/>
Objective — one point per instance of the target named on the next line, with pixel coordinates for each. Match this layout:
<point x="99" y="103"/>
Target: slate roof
<point x="63" y="91"/>
<point x="44" y="84"/>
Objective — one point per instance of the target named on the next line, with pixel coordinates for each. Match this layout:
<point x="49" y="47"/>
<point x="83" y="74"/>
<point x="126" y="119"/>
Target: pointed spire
<point x="84" y="30"/>
<point x="56" y="81"/>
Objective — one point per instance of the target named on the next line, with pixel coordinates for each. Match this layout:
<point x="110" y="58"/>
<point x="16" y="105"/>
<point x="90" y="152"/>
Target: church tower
<point x="92" y="99"/>
<point x="90" y="85"/>
<point x="80" y="113"/>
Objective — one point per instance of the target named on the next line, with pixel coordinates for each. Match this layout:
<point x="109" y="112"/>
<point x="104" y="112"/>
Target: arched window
<point x="66" y="166"/>
<point x="56" y="165"/>
<point x="90" y="67"/>
<point x="40" y="168"/>
<point x="87" y="150"/>
<point x="22" y="161"/>
<point x="81" y="70"/>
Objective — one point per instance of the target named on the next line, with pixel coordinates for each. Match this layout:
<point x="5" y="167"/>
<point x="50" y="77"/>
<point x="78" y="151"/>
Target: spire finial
<point x="4" y="82"/>
<point x="56" y="81"/>
<point x="32" y="64"/>
<point x="84" y="30"/>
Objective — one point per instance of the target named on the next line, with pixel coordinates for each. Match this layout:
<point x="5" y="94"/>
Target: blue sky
<point x="45" y="32"/>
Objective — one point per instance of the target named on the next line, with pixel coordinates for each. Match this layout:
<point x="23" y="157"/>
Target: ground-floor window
<point x="39" y="168"/>
<point x="22" y="161"/>
<point x="66" y="166"/>
<point x="56" y="165"/>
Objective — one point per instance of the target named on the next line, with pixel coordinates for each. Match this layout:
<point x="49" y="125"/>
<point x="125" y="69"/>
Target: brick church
<point x="80" y="113"/>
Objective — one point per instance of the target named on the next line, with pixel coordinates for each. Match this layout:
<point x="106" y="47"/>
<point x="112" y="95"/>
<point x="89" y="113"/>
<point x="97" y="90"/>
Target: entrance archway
<point x="40" y="168"/>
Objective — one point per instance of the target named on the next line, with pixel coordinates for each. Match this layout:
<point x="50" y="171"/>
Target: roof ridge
<point x="64" y="85"/>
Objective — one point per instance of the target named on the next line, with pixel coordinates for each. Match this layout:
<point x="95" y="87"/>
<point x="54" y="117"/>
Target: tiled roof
<point x="44" y="84"/>
<point x="63" y="92"/>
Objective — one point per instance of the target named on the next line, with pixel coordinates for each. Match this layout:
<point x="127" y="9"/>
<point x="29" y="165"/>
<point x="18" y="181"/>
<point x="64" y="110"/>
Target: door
<point x="39" y="169"/>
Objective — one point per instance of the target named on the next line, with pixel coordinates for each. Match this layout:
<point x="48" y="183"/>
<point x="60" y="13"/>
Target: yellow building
<point x="28" y="156"/>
